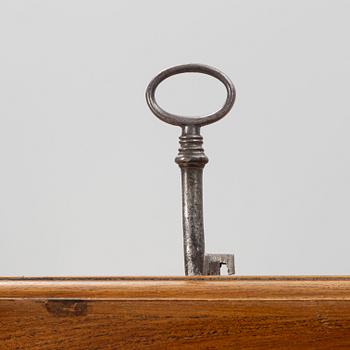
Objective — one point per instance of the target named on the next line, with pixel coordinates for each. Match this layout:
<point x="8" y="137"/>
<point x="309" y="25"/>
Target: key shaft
<point x="192" y="160"/>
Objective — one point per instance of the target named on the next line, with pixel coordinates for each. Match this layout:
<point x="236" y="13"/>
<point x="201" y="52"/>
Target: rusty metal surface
<point x="213" y="263"/>
<point x="192" y="159"/>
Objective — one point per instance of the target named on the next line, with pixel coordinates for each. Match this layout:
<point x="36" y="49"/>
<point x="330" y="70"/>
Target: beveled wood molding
<point x="241" y="312"/>
<point x="196" y="288"/>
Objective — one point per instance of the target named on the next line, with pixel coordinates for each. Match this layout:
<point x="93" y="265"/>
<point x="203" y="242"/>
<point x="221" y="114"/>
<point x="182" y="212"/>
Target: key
<point x="191" y="160"/>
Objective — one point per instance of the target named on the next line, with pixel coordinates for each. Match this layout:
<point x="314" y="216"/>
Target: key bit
<point x="213" y="263"/>
<point x="191" y="160"/>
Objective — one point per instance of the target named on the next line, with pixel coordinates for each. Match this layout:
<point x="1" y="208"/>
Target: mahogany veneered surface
<point x="175" y="313"/>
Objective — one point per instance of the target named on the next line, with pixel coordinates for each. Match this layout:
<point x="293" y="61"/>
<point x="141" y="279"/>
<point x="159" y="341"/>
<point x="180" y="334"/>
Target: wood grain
<point x="175" y="313"/>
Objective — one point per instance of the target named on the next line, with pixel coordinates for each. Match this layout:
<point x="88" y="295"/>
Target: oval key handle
<point x="190" y="121"/>
<point x="192" y="159"/>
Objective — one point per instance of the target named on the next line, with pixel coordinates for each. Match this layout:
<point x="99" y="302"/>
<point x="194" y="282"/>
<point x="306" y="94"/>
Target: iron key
<point x="192" y="159"/>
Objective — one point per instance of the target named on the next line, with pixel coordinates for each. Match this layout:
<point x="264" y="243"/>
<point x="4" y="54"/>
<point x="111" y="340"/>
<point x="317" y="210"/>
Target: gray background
<point x="88" y="184"/>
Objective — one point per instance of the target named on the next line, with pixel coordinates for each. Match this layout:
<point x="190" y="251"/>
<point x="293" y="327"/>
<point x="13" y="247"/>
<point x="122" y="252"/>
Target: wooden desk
<point x="175" y="313"/>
